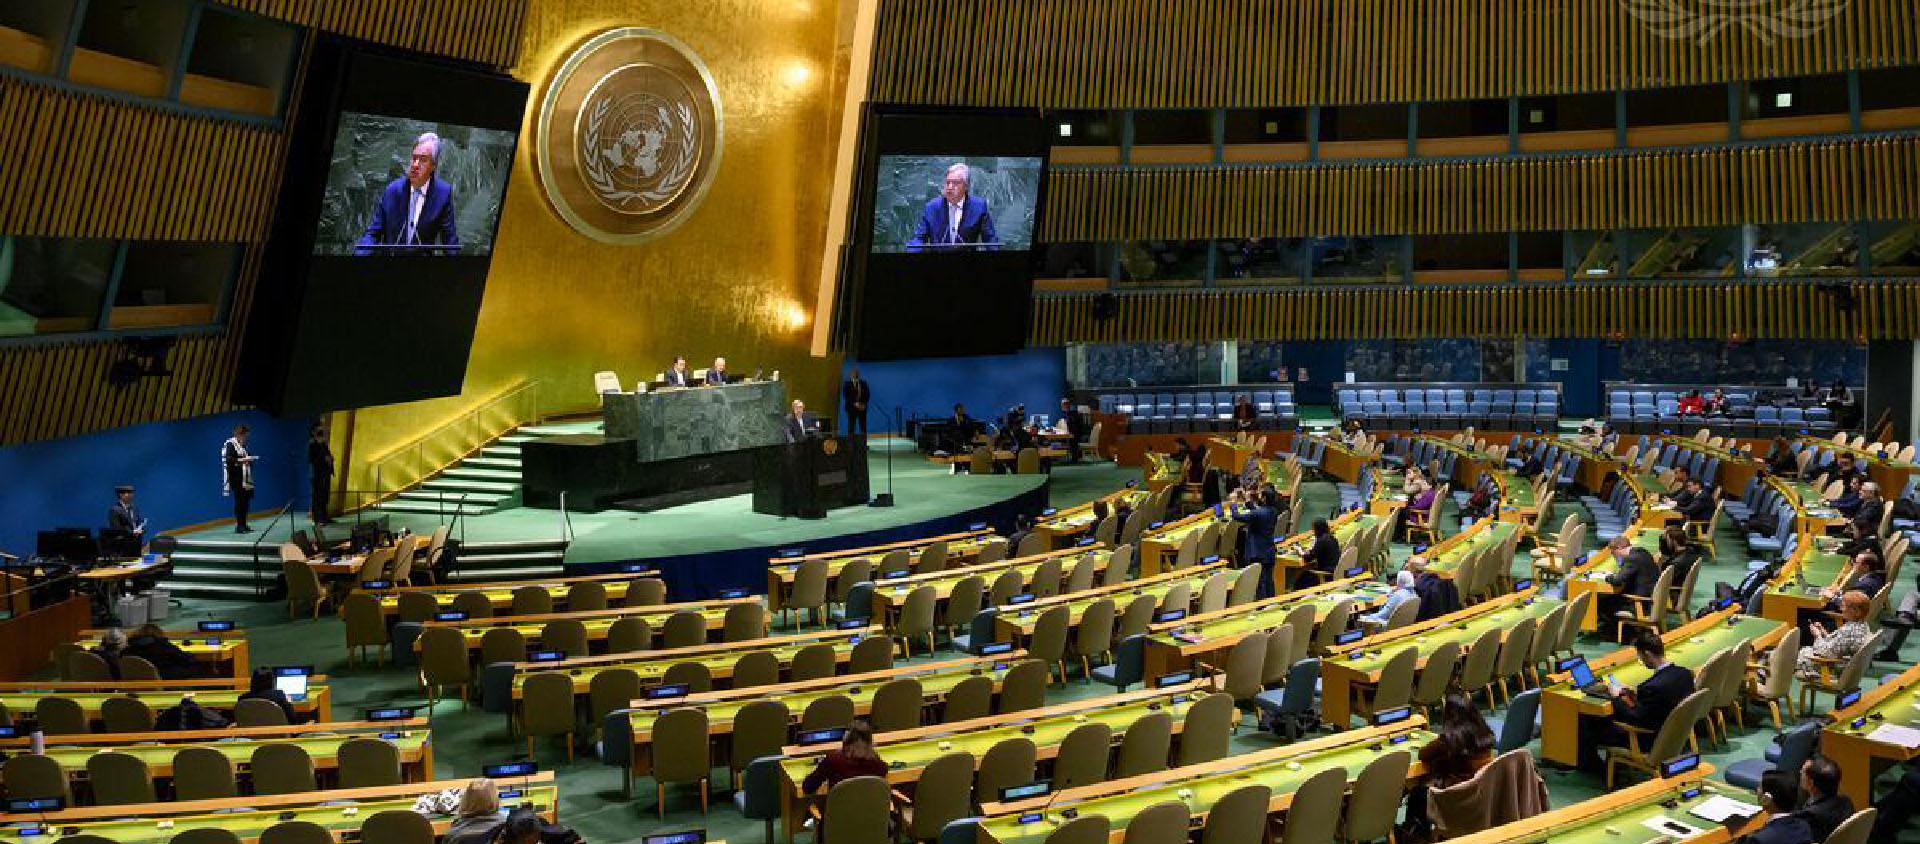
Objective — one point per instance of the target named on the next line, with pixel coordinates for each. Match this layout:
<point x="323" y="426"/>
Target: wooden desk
<point x="220" y="653"/>
<point x="597" y="622"/>
<point x="1689" y="645"/>
<point x="322" y="742"/>
<point x="1812" y="568"/>
<point x="1445" y="557"/>
<point x="1200" y="787"/>
<point x="1468" y="464"/>
<point x="1862" y="758"/>
<point x="1067" y="524"/>
<point x="1177" y="645"/>
<point x="961" y="547"/>
<point x="890" y="595"/>
<point x="1160" y="546"/>
<point x="1349" y="666"/>
<point x="1518" y="502"/>
<point x="1161" y="471"/>
<point x="340" y="810"/>
<point x="1229" y="454"/>
<point x="1889" y="473"/>
<point x="1014" y="623"/>
<point x="500" y="593"/>
<point x="220" y="694"/>
<point x="936" y="680"/>
<point x="718" y="658"/>
<point x="122" y="571"/>
<point x="1621" y="815"/>
<point x="1339" y="460"/>
<point x="1595" y="465"/>
<point x="908" y="752"/>
<point x="1000" y="454"/>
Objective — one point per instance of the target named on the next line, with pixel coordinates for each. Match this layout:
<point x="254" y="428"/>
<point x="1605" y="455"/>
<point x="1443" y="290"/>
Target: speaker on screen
<point x="397" y="167"/>
<point x="946" y="214"/>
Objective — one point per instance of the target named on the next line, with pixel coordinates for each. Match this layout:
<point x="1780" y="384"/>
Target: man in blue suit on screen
<point x="417" y="209"/>
<point x="955" y="218"/>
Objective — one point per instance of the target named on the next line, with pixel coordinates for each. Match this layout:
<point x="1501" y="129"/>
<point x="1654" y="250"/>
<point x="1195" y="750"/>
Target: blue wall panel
<point x="174" y="466"/>
<point x="987" y="385"/>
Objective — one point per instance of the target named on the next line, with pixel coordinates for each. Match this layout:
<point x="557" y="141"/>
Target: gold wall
<point x="736" y="278"/>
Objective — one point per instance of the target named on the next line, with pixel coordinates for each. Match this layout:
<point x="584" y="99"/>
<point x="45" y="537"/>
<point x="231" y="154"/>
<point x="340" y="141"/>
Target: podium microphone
<point x="885" y="499"/>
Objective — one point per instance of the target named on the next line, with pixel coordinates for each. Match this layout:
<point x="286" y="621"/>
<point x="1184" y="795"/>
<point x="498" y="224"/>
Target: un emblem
<point x="628" y="137"/>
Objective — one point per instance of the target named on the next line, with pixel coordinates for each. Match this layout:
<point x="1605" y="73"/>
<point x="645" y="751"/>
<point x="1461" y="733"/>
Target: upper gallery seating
<point x="1751" y="411"/>
<point x="1179" y="410"/>
<point x="1450" y="405"/>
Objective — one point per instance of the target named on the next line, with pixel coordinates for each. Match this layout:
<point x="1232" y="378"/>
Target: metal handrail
<point x="470" y="422"/>
<point x="253" y="554"/>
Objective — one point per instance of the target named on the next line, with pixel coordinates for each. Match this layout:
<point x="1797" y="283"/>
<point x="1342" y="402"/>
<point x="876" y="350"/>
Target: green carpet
<point x="466" y="739"/>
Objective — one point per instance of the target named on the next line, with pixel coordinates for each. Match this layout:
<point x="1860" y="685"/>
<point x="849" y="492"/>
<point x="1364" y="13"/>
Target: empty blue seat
<point x="1793" y="415"/>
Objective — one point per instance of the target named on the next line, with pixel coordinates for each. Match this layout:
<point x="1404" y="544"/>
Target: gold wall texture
<point x="736" y="278"/>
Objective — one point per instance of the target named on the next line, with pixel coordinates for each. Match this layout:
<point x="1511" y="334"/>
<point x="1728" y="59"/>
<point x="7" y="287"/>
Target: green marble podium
<point x="674" y="423"/>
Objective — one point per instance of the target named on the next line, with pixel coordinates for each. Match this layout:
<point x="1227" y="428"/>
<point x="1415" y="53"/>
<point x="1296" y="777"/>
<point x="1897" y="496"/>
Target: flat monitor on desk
<point x="74" y="544"/>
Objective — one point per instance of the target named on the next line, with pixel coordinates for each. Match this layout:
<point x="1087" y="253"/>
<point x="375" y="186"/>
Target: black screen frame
<point x="885" y="318"/>
<point x="331" y="332"/>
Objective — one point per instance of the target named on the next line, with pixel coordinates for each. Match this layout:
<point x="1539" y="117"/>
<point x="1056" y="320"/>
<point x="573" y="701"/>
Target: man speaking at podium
<point x="955" y="218"/>
<point x="416" y="209"/>
<point x="800" y="425"/>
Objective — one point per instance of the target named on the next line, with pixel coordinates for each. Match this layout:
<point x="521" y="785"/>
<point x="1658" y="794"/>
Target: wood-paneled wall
<point x="485" y="31"/>
<point x="74" y="164"/>
<point x="79" y="165"/>
<point x="1842" y="179"/>
<point x="1785" y="309"/>
<point x="1232" y="53"/>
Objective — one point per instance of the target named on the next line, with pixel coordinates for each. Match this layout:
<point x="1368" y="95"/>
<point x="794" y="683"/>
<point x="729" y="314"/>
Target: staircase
<point x="213" y="564"/>
<point x="216" y="564"/>
<point x="220" y="564"/>
<point x="483" y="483"/>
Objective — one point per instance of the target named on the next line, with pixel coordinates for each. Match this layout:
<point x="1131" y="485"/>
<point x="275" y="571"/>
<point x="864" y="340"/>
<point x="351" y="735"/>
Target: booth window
<point x="172" y="284"/>
<point x="52" y="285"/>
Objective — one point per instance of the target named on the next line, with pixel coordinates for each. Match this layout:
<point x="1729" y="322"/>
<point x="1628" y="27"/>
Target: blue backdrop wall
<point x="173" y="466"/>
<point x="987" y="385"/>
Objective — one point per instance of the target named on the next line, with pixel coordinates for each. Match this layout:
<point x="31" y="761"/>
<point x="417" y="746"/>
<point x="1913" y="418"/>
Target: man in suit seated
<point x="1645" y="707"/>
<point x="1438" y="595"/>
<point x="1637" y="575"/>
<point x="1822" y="805"/>
<point x="417" y="208"/>
<point x="677" y="375"/>
<point x="1867" y="514"/>
<point x="717" y="376"/>
<point x="955" y="217"/>
<point x="1699" y="506"/>
<point x="799" y="425"/>
<point x="1842" y="469"/>
<point x="1779" y="797"/>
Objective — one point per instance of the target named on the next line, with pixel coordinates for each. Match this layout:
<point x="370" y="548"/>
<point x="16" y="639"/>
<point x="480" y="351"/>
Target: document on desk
<point x="1906" y="737"/>
<point x="1720" y="807"/>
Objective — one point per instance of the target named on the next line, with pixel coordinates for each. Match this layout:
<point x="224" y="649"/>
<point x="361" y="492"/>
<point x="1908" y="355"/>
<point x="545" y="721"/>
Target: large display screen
<point x="949" y="209"/>
<point x="396" y="172"/>
<point x="937" y="203"/>
<point x="398" y="185"/>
